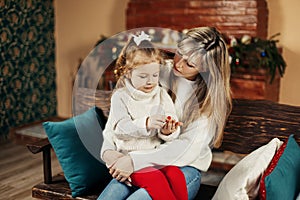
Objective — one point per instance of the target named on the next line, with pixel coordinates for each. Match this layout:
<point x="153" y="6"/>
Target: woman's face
<point x="184" y="69"/>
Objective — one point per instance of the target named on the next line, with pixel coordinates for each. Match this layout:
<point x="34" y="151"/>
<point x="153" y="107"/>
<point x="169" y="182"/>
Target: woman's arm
<point x="191" y="145"/>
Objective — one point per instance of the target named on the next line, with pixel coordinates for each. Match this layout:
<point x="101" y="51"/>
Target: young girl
<point x="138" y="118"/>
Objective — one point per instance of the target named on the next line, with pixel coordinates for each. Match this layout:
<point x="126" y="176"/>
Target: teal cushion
<point x="284" y="180"/>
<point x="77" y="143"/>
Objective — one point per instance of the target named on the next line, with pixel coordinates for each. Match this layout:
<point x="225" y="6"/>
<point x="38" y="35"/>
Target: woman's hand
<point x="122" y="168"/>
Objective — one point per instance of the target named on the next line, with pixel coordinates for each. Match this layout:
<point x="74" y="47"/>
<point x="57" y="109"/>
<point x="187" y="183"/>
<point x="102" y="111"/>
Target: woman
<point x="199" y="82"/>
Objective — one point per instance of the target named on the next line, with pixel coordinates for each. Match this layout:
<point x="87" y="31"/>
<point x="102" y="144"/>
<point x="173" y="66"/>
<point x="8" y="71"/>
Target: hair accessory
<point x="139" y="38"/>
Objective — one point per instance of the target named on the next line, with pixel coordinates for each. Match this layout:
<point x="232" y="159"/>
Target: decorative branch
<point x="256" y="53"/>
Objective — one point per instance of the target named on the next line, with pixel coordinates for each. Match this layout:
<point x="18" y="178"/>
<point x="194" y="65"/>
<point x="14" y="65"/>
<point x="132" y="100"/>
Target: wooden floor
<point x="20" y="170"/>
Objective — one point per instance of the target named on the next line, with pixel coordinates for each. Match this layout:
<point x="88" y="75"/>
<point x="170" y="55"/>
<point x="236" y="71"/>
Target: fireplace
<point x="231" y="17"/>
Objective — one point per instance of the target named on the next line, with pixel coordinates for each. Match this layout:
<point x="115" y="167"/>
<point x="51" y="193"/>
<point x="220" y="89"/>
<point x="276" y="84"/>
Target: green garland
<point x="257" y="53"/>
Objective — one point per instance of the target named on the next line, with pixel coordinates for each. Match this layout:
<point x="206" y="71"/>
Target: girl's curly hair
<point x="132" y="56"/>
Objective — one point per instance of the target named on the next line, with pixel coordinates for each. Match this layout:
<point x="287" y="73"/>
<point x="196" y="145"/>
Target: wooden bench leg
<point x="47" y="165"/>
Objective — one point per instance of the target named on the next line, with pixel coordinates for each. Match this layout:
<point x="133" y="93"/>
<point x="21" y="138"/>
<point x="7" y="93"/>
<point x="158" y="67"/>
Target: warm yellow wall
<point x="284" y="18"/>
<point x="78" y="24"/>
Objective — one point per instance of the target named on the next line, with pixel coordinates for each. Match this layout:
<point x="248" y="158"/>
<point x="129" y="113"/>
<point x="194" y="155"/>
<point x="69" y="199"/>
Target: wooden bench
<point x="251" y="124"/>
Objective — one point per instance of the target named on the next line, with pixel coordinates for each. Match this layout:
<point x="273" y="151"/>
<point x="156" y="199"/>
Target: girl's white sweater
<point x="126" y="123"/>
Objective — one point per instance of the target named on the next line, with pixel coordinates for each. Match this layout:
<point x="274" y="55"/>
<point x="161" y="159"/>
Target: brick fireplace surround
<point x="231" y="17"/>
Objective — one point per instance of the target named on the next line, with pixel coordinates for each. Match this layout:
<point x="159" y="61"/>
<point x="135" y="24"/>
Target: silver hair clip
<point x="139" y="38"/>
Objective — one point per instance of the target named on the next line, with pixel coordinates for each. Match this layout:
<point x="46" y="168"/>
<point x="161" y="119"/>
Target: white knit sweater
<point x="191" y="148"/>
<point x="126" y="123"/>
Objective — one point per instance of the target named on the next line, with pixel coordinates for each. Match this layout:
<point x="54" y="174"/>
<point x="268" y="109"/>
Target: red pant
<point x="165" y="183"/>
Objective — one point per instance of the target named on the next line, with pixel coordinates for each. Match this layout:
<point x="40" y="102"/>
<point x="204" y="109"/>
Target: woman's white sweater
<point x="126" y="123"/>
<point x="191" y="148"/>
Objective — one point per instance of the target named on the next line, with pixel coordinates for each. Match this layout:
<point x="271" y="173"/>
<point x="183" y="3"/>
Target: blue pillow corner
<point x="83" y="171"/>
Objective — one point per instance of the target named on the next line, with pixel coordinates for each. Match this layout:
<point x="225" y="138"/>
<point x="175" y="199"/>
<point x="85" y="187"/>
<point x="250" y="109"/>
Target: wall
<point x="27" y="72"/>
<point x="235" y="18"/>
<point x="79" y="24"/>
<point x="283" y="18"/>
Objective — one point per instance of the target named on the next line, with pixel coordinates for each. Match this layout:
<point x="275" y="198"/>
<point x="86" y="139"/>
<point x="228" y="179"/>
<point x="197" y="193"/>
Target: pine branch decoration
<point x="256" y="53"/>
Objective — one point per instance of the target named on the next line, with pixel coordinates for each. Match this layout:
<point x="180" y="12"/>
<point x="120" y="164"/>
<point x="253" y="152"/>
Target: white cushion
<point x="242" y="181"/>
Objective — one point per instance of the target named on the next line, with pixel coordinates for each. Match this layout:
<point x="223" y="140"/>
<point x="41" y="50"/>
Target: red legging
<point x="165" y="183"/>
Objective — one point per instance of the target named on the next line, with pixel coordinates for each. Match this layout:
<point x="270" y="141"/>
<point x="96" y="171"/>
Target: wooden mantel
<point x="254" y="84"/>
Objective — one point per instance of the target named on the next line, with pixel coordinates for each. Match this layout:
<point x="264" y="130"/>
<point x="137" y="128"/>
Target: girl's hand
<point x="155" y="122"/>
<point x="170" y="126"/>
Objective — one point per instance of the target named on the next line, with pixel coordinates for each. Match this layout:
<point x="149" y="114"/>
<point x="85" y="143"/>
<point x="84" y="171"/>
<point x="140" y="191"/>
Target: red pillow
<point x="271" y="167"/>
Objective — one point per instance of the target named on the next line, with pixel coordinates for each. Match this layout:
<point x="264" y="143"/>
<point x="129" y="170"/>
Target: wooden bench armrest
<point x="45" y="147"/>
<point x="39" y="146"/>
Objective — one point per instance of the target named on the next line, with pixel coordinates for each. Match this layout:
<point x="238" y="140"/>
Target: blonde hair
<point x="206" y="49"/>
<point x="132" y="56"/>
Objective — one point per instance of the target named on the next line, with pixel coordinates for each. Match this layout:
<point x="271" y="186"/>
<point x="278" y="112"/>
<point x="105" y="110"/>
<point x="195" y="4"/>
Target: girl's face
<point x="145" y="77"/>
<point x="184" y="69"/>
